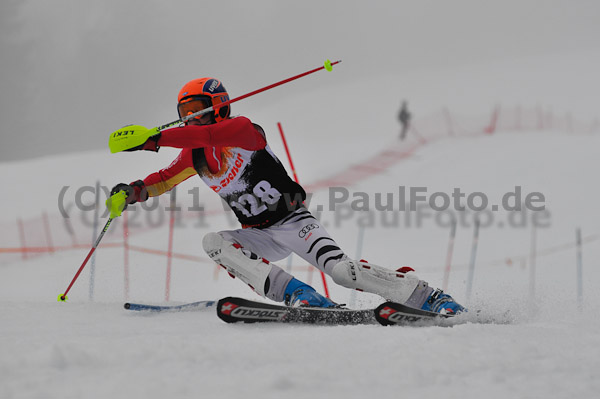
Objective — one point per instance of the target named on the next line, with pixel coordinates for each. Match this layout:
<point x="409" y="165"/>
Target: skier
<point x="404" y="117"/>
<point x="232" y="157"/>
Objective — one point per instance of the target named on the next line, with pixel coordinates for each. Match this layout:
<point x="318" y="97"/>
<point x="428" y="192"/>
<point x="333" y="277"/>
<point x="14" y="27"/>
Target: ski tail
<point x="200" y="305"/>
<point x="234" y="310"/>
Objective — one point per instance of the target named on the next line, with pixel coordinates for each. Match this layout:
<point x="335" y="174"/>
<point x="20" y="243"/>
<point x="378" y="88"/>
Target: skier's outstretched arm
<point x="159" y="182"/>
<point x="235" y="132"/>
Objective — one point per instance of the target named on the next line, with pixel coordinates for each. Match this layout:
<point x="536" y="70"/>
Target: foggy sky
<point x="72" y="71"/>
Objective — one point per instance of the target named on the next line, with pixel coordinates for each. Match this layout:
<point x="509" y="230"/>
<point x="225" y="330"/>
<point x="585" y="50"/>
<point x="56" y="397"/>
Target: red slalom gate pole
<point x="327" y="66"/>
<point x="287" y="151"/>
<point x="63" y="297"/>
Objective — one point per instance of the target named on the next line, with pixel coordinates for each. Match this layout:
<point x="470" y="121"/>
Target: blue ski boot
<point x="439" y="302"/>
<point x="298" y="294"/>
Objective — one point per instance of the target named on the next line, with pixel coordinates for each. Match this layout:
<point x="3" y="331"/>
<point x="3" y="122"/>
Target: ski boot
<point x="299" y="294"/>
<point x="438" y="302"/>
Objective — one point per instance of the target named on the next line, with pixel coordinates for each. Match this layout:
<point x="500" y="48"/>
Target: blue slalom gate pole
<point x="359" y="247"/>
<point x="472" y="261"/>
<point x="579" y="270"/>
<point x="532" y="256"/>
<point x="449" y="255"/>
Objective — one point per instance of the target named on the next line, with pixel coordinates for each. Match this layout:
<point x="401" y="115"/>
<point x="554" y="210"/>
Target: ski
<point x="392" y="313"/>
<point x="234" y="310"/>
<point x="169" y="308"/>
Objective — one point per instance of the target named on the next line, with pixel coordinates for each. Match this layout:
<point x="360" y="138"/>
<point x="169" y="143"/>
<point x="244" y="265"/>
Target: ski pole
<point x="327" y="66"/>
<point x="63" y="297"/>
<point x="131" y="136"/>
<point x="116" y="204"/>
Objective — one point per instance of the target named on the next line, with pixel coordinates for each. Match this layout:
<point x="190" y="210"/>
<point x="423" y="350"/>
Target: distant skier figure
<point x="232" y="157"/>
<point x="404" y="117"/>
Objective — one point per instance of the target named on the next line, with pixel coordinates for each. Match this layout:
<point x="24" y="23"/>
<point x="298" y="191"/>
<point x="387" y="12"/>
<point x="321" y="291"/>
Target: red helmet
<point x="202" y="93"/>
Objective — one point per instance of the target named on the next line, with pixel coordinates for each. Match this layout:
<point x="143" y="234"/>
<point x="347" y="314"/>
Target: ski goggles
<point x="193" y="105"/>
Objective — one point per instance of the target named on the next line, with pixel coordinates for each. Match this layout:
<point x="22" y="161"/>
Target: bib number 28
<point x="263" y="194"/>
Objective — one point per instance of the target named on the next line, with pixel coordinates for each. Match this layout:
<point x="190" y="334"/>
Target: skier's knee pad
<point x="249" y="268"/>
<point x="392" y="285"/>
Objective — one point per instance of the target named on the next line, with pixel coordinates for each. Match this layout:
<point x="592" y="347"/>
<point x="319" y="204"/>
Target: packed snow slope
<point x="67" y="81"/>
<point x="96" y="349"/>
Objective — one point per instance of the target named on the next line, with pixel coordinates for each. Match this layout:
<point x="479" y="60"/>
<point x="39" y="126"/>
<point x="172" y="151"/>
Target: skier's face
<point x="191" y="107"/>
<point x="200" y="121"/>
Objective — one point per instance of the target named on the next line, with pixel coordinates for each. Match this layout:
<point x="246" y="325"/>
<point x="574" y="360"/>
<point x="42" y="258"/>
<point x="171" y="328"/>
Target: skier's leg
<point x="237" y="251"/>
<point x="265" y="278"/>
<point x="394" y="285"/>
<point x="305" y="236"/>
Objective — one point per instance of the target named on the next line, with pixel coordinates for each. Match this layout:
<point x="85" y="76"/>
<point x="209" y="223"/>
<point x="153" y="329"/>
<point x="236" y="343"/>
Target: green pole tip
<point x="328" y="66"/>
<point x="62" y="298"/>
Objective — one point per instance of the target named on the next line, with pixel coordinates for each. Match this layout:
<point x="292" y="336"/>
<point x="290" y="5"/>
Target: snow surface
<point x="97" y="349"/>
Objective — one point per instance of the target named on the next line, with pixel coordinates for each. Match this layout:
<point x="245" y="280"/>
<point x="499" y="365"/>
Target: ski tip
<point x="127" y="305"/>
